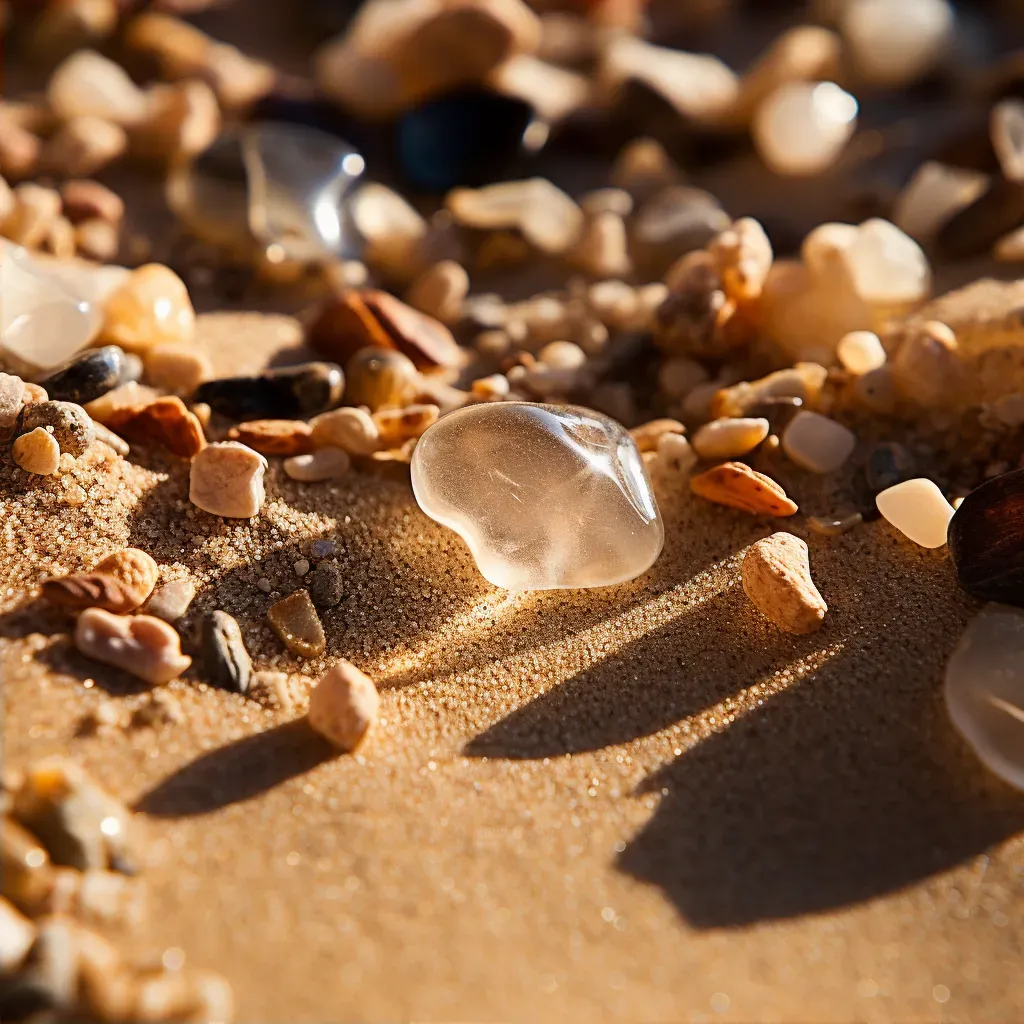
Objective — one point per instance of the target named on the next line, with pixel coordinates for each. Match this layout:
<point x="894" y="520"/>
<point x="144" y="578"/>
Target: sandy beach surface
<point x="642" y="803"/>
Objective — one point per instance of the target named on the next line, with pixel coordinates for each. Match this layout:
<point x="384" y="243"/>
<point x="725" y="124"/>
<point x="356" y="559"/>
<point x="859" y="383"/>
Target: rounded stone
<point x="546" y="497"/>
<point x="224" y="655"/>
<point x="88" y="376"/>
<point x="72" y="426"/>
<point x="326" y="585"/>
<point x="291" y="392"/>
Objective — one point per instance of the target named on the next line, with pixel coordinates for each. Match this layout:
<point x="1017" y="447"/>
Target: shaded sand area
<point x="643" y="803"/>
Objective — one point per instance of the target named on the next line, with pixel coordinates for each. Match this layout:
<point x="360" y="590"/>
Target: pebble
<point x="264" y="584"/>
<point x="176" y="368"/>
<point x="817" y="443"/>
<point x="128" y="396"/>
<point x="647" y="436"/>
<point x="323" y="548"/>
<point x="87" y="84"/>
<point x="324" y="464"/>
<point x="776" y="575"/>
<point x="344" y="705"/>
<point x="860" y="352"/>
<point x="225" y="658"/>
<point x="918" y="509"/>
<point x="392" y="230"/>
<point x="729" y="438"/>
<point x="165" y="421"/>
<point x="984" y="540"/>
<point x="643" y="168"/>
<point x="98" y="240"/>
<point x="801" y="127"/>
<point x="17" y="934"/>
<point x="804" y="381"/>
<point x="352" y="430"/>
<point x="934" y="194"/>
<point x="88" y="376"/>
<point x="510" y="476"/>
<point x="691" y="321"/>
<point x="120" y="583"/>
<point x="927" y="369"/>
<point x="12" y="398"/>
<point x="80" y="824"/>
<point x="672" y="223"/>
<point x="150" y="307"/>
<point x="295" y="621"/>
<point x="69" y="423"/>
<point x="887" y="268"/>
<point x="291" y="392"/>
<point x="396" y="426"/>
<point x="603" y="250"/>
<point x="440" y="291"/>
<point x="301" y="566"/>
<point x="326" y="585"/>
<point x="141" y="645"/>
<point x="743" y="256"/>
<point x="274" y="437"/>
<point x="380" y="378"/>
<point x="227" y="480"/>
<point x="36" y="209"/>
<point x="676" y="453"/>
<point x="170" y="601"/>
<point x="829" y="527"/>
<point x="83" y="199"/>
<point x="83" y="146"/>
<point x="37" y="452"/>
<point x="984" y="690"/>
<point x="27" y="871"/>
<point x="737" y="485"/>
<point x="48" y="980"/>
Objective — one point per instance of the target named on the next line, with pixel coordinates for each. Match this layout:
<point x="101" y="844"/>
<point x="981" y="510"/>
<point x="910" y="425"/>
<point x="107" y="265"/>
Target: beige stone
<point x="393" y="230"/>
<point x="776" y="575"/>
<point x="323" y="464"/>
<point x="729" y="438"/>
<point x="176" y="368"/>
<point x="17" y="933"/>
<point x="743" y="256"/>
<point x="227" y="480"/>
<point x="861" y="352"/>
<point x="98" y="239"/>
<point x="182" y="119"/>
<point x="603" y="249"/>
<point x="37" y="452"/>
<point x="152" y="306"/>
<point x="675" y="453"/>
<point x="88" y="84"/>
<point x="144" y="646"/>
<point x="170" y="601"/>
<point x="344" y="705"/>
<point x="83" y="146"/>
<point x="918" y="509"/>
<point x="804" y="381"/>
<point x="440" y="291"/>
<point x="352" y="430"/>
<point x="927" y="368"/>
<point x="817" y="443"/>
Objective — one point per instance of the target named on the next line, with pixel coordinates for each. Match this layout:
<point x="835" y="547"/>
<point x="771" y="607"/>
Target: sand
<point x="641" y="803"/>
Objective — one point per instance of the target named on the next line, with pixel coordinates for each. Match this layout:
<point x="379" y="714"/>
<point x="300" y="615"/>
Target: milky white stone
<point x="817" y="443"/>
<point x="887" y="266"/>
<point x="985" y="690"/>
<point x="933" y="195"/>
<point x="860" y="352"/>
<point x="729" y="438"/>
<point x="801" y="127"/>
<point x="546" y="497"/>
<point x="17" y="933"/>
<point x="896" y="41"/>
<point x="88" y="84"/>
<point x="918" y="509"/>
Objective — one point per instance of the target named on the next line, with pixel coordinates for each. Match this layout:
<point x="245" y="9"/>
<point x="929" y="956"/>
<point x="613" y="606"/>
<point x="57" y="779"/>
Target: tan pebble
<point x="440" y="291"/>
<point x="699" y="403"/>
<point x="603" y="250"/>
<point x="227" y="480"/>
<point x="380" y="378"/>
<point x="678" y="376"/>
<point x="295" y="621"/>
<point x="17" y="933"/>
<point x="323" y="464"/>
<point x="393" y="230"/>
<point x="165" y="421"/>
<point x="19" y="149"/>
<point x="274" y="437"/>
<point x="817" y="443"/>
<point x="876" y="390"/>
<point x="120" y="583"/>
<point x="675" y="453"/>
<point x="182" y="119"/>
<point x="128" y="396"/>
<point x="141" y="645"/>
<point x="88" y="84"/>
<point x="37" y="452"/>
<point x="176" y="368"/>
<point x="83" y="146"/>
<point x="743" y="256"/>
<point x="60" y="239"/>
<point x="35" y="210"/>
<point x="396" y="426"/>
<point x="804" y="381"/>
<point x="562" y="355"/>
<point x="647" y="435"/>
<point x="152" y="306"/>
<point x="35" y="394"/>
<point x="737" y="485"/>
<point x="729" y="438"/>
<point x="492" y="388"/>
<point x="85" y="200"/>
<point x="98" y="240"/>
<point x="171" y="601"/>
<point x="860" y="352"/>
<point x="352" y="430"/>
<point x="616" y="304"/>
<point x="113" y="441"/>
<point x="777" y="578"/>
<point x="926" y="368"/>
<point x="344" y="705"/>
<point x="918" y="509"/>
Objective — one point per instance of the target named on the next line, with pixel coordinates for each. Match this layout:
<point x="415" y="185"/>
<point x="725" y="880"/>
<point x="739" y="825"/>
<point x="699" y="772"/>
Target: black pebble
<point x="224" y="655"/>
<point x="986" y="540"/>
<point x="325" y="585"/>
<point x="88" y="376"/>
<point x="293" y="392"/>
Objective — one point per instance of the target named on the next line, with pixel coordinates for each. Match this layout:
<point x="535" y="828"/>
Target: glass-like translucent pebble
<point x="545" y="496"/>
<point x="985" y="690"/>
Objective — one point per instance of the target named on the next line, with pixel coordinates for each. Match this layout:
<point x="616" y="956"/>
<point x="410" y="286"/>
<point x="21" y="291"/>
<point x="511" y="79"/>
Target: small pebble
<point x="141" y="645"/>
<point x="326" y="585"/>
<point x="647" y="436"/>
<point x="380" y="378"/>
<point x="113" y="441"/>
<point x="743" y="256"/>
<point x="37" y="452"/>
<point x="84" y="200"/>
<point x="301" y="567"/>
<point x="88" y="376"/>
<point x="291" y="392"/>
<point x="860" y="352"/>
<point x="828" y="527"/>
<point x="225" y="658"/>
<point x="675" y="453"/>
<point x="226" y="479"/>
<point x="440" y="291"/>
<point x="70" y="423"/>
<point x="274" y="437"/>
<point x="12" y="394"/>
<point x="120" y="583"/>
<point x="152" y="306"/>
<point x="352" y="430"/>
<point x="323" y="548"/>
<point x="729" y="438"/>
<point x="918" y="509"/>
<point x="295" y="621"/>
<point x="171" y="601"/>
<point x="344" y="705"/>
<point x="165" y="421"/>
<point x="176" y="368"/>
<point x="777" y="579"/>
<point x="887" y="464"/>
<point x="927" y="368"/>
<point x="323" y="464"/>
<point x="264" y="584"/>
<point x="396" y="426"/>
<point x="817" y="443"/>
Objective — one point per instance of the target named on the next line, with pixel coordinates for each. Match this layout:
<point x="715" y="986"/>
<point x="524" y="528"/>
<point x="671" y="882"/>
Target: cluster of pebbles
<point x="437" y="328"/>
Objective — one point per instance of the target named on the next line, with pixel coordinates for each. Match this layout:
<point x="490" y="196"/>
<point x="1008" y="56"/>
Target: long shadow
<point x="239" y="771"/>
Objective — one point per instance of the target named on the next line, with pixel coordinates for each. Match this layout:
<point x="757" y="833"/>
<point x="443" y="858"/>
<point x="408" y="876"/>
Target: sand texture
<point x="641" y="803"/>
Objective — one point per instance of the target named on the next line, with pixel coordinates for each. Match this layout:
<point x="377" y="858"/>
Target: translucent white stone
<point x="985" y="690"/>
<point x="546" y="497"/>
<point x="918" y="509"/>
<point x="933" y="195"/>
<point x="888" y="267"/>
<point x="860" y="352"/>
<point x="817" y="443"/>
<point x="896" y="41"/>
<point x="801" y="127"/>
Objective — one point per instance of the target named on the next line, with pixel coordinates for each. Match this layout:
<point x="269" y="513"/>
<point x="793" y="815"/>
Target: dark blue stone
<point x="469" y="138"/>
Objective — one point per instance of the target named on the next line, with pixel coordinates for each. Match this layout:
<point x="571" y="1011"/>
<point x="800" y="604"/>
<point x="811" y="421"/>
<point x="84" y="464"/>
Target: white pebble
<point x="817" y="443"/>
<point x="887" y="266"/>
<point x="918" y="509"/>
<point x="301" y="567"/>
<point x="801" y="127"/>
<point x="323" y="464"/>
<point x="729" y="438"/>
<point x="675" y="453"/>
<point x="860" y="352"/>
<point x="227" y="480"/>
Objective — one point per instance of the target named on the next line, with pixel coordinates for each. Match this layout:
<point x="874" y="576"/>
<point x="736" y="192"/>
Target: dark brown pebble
<point x="292" y="392"/>
<point x="88" y="376"/>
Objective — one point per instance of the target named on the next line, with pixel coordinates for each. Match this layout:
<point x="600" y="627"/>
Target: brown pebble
<point x="166" y="422"/>
<point x="737" y="485"/>
<point x="84" y="199"/>
<point x="120" y="583"/>
<point x="777" y="579"/>
<point x="344" y="705"/>
<point x="396" y="426"/>
<point x="296" y="622"/>
<point x="274" y="437"/>
<point x="70" y="423"/>
<point x="142" y="645"/>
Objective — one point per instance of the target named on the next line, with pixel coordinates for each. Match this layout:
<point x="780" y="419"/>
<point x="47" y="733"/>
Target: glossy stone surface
<point x="291" y="392"/>
<point x="918" y="509"/>
<point x="985" y="690"/>
<point x="88" y="376"/>
<point x="546" y="497"/>
<point x="986" y="540"/>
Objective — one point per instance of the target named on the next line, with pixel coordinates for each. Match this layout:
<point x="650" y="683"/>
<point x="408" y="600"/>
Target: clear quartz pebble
<point x="546" y="497"/>
<point x="985" y="690"/>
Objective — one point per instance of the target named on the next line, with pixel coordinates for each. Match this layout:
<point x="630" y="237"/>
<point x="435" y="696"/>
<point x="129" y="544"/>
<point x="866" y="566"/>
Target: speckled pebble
<point x="72" y="426"/>
<point x="225" y="658"/>
<point x="326" y="585"/>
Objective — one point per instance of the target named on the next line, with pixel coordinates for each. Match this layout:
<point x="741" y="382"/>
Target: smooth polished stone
<point x="918" y="509"/>
<point x="290" y="392"/>
<point x="985" y="690"/>
<point x="88" y="376"/>
<point x="546" y="497"/>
